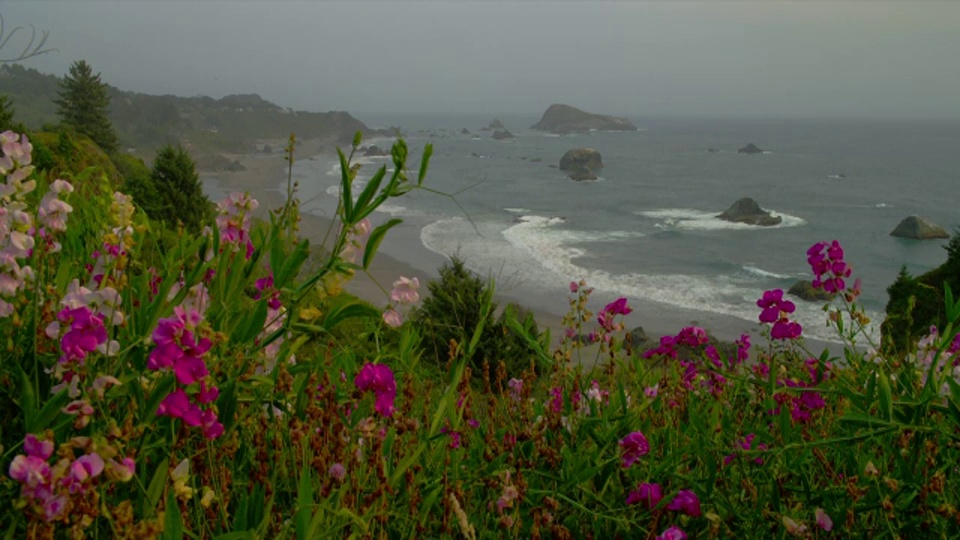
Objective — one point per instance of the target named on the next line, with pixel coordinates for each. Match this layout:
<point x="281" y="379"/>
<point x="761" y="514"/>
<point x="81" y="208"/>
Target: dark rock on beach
<point x="502" y="134"/>
<point x="804" y="290"/>
<point x="563" y="119"/>
<point x="374" y="150"/>
<point x="918" y="228"/>
<point x="581" y="175"/>
<point x="581" y="158"/>
<point x="746" y="210"/>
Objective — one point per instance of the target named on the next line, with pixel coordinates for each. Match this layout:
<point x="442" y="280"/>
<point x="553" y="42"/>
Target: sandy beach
<point x="264" y="176"/>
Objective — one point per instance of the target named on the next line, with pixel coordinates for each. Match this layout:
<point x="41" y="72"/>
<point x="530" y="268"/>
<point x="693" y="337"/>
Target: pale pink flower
<point x="405" y="290"/>
<point x="392" y="318"/>
<point x="823" y="520"/>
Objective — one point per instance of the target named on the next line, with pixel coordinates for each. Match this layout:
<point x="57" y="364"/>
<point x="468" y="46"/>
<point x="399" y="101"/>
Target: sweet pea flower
<point x="634" y="447"/>
<point x="337" y="472"/>
<point x="648" y="494"/>
<point x="405" y="290"/>
<point x="672" y="533"/>
<point x="823" y="520"/>
<point x="392" y="318"/>
<point x="378" y="378"/>
<point x="687" y="502"/>
<point x="42" y="449"/>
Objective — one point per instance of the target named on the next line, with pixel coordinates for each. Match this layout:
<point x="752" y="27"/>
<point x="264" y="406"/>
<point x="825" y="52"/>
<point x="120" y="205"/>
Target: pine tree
<point x="83" y="106"/>
<point x="6" y="113"/>
<point x="177" y="185"/>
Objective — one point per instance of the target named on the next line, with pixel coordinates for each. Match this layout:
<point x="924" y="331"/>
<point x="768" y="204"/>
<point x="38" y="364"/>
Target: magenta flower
<point x="53" y="507"/>
<point x="618" y="307"/>
<point x="687" y="502"/>
<point x="556" y="402"/>
<point x="35" y="447"/>
<point x="828" y="267"/>
<point x="189" y="369"/>
<point x="378" y="378"/>
<point x="775" y="310"/>
<point x="634" y="447"/>
<point x="574" y="287"/>
<point x="648" y="494"/>
<point x="516" y="388"/>
<point x="672" y="533"/>
<point x="85" y="335"/>
<point x="175" y="404"/>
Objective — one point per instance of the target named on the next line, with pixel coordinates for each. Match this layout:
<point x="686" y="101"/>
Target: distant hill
<point x="204" y="125"/>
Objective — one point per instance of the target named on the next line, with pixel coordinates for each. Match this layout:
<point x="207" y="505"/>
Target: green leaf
<point x="424" y="163"/>
<point x="155" y="489"/>
<point x="49" y="412"/>
<point x="227" y="404"/>
<point x="357" y="138"/>
<point x="304" y="502"/>
<point x="885" y="395"/>
<point x="372" y="186"/>
<point x="254" y="324"/>
<point x="349" y="311"/>
<point x="373" y="243"/>
<point x="172" y="520"/>
<point x="292" y="264"/>
<point x="28" y="400"/>
<point x="405" y="464"/>
<point x="345" y="194"/>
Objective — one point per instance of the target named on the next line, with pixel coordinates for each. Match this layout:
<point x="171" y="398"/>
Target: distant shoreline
<point x="264" y="177"/>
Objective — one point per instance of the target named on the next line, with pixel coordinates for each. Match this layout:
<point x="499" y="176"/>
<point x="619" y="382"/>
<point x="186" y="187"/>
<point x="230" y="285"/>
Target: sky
<point x="711" y="58"/>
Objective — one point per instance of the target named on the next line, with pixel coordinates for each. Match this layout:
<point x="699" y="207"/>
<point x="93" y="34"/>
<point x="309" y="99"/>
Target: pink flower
<point x="122" y="471"/>
<point x="53" y="507"/>
<point x="405" y="290"/>
<point x="672" y="533"/>
<point x="31" y="471"/>
<point x="516" y="388"/>
<point x="82" y="471"/>
<point x="574" y="287"/>
<point x="189" y="369"/>
<point x="337" y="472"/>
<point x="687" y="502"/>
<point x="775" y="310"/>
<point x="378" y="378"/>
<point x="556" y="402"/>
<point x="175" y="404"/>
<point x="648" y="494"/>
<point x="634" y="447"/>
<point x="618" y="307"/>
<point x="392" y="318"/>
<point x="35" y="447"/>
<point x="823" y="520"/>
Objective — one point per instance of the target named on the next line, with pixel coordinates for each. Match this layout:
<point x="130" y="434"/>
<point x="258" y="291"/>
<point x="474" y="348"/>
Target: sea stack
<point x="746" y="210"/>
<point x="750" y="149"/>
<point x="918" y="228"/>
<point x="564" y="119"/>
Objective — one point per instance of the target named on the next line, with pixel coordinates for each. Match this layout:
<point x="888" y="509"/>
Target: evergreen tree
<point x="83" y="105"/>
<point x="177" y="185"/>
<point x="6" y="113"/>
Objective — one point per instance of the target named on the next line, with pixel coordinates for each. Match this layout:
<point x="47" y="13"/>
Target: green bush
<point x="455" y="309"/>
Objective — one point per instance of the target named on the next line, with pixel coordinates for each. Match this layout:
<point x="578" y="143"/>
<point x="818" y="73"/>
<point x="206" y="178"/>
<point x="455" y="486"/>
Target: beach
<point x="403" y="254"/>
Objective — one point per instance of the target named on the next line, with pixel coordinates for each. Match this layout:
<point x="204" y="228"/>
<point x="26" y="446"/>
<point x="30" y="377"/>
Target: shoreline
<point x="264" y="176"/>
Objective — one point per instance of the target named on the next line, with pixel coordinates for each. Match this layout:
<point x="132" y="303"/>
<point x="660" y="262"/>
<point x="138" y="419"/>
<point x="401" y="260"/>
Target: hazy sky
<point x="714" y="58"/>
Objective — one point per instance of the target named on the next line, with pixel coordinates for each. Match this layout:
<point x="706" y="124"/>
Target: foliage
<point x="83" y="103"/>
<point x="917" y="303"/>
<point x="62" y="152"/>
<point x="220" y="393"/>
<point x="178" y="190"/>
<point x="460" y="309"/>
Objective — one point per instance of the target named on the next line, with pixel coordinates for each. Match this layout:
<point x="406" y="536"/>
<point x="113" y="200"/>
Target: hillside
<point x="205" y="126"/>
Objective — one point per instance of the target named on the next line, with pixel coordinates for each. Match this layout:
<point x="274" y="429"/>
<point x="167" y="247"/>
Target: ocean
<point x="646" y="229"/>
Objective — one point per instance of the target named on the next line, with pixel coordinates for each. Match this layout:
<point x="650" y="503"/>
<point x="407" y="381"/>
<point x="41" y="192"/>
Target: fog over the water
<point x="712" y="58"/>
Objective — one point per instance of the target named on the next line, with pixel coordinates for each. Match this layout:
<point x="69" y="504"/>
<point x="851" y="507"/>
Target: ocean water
<point x="646" y="229"/>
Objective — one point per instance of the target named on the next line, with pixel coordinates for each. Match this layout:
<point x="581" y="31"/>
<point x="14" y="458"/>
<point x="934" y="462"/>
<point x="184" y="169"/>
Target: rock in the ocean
<point x="373" y="150"/>
<point x="464" y="131"/>
<point x="746" y="210"/>
<point x="804" y="290"/>
<point x="496" y="124"/>
<point x="919" y="228"/>
<point x="581" y="175"/>
<point x="750" y="149"/>
<point x="566" y="119"/>
<point x="502" y="134"/>
<point x="581" y="158"/>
